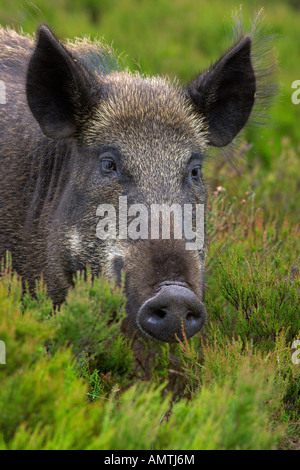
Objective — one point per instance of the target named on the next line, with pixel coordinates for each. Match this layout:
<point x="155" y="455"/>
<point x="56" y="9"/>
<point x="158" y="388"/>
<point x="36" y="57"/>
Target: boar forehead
<point x="146" y="117"/>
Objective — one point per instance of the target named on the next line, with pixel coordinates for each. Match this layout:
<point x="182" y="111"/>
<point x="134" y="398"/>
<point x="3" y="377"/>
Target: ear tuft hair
<point x="60" y="90"/>
<point x="238" y="88"/>
<point x="264" y="62"/>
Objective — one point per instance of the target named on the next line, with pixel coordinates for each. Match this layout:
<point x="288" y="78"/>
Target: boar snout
<point x="172" y="309"/>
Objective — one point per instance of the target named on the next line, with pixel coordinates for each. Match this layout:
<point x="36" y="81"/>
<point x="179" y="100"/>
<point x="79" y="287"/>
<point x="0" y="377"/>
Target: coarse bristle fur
<point x="264" y="62"/>
<point x="145" y="104"/>
<point x="98" y="57"/>
<point x="265" y="65"/>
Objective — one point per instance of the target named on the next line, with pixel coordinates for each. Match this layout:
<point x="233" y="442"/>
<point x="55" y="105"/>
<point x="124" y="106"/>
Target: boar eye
<point x="108" y="165"/>
<point x="196" y="173"/>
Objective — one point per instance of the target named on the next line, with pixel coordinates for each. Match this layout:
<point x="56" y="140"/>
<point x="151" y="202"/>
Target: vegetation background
<point x="235" y="384"/>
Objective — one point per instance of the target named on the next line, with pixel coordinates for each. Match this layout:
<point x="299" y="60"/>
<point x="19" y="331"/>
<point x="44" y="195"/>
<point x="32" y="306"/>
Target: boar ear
<point x="59" y="88"/>
<point x="224" y="94"/>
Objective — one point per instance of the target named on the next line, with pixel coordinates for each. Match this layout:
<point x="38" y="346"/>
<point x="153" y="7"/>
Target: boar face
<point x="133" y="145"/>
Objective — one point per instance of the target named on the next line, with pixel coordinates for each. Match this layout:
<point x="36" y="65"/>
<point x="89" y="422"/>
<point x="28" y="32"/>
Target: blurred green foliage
<point x="53" y="397"/>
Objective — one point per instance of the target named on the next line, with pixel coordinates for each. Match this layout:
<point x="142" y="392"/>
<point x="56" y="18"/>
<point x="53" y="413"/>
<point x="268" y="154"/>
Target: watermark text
<point x="2" y="352"/>
<point x="158" y="221"/>
<point x="296" y="354"/>
<point x="2" y="92"/>
<point x="296" y="94"/>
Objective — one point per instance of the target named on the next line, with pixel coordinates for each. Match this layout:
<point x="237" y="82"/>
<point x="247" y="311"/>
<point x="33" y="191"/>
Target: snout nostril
<point x="159" y="313"/>
<point x="171" y="309"/>
<point x="190" y="316"/>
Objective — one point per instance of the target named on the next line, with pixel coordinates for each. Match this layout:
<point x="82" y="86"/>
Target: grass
<point x="85" y="391"/>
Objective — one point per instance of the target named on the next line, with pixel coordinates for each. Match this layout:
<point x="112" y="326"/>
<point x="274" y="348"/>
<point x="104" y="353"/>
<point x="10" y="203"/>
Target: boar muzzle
<point x="173" y="309"/>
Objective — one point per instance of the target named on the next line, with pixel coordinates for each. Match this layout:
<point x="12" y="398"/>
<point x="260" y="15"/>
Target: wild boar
<point x="80" y="136"/>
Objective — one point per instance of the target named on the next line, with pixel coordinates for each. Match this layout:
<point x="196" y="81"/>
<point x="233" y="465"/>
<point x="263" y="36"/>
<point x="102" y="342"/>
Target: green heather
<point x="73" y="380"/>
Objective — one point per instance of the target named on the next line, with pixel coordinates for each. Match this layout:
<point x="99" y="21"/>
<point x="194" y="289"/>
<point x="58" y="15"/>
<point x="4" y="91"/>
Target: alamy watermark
<point x="2" y="353"/>
<point x="296" y="354"/>
<point x="135" y="222"/>
<point x="296" y="94"/>
<point x="2" y="92"/>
